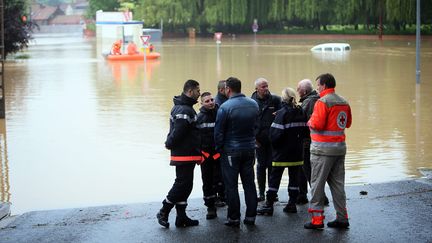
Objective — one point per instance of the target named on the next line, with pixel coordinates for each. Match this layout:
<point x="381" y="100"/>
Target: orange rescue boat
<point x="134" y="57"/>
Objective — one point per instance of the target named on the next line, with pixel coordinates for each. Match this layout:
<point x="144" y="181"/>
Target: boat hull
<point x="135" y="57"/>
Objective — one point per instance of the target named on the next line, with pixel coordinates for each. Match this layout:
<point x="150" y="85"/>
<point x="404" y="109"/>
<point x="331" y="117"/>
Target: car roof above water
<point x="331" y="47"/>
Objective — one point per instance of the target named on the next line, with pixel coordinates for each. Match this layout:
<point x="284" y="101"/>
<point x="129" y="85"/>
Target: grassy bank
<point x="349" y="29"/>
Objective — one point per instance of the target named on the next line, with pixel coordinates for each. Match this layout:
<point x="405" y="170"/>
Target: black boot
<point x="266" y="209"/>
<point x="338" y="224"/>
<point x="182" y="219"/>
<point x="290" y="208"/>
<point x="163" y="214"/>
<point x="302" y="199"/>
<point x="211" y="213"/>
<point x="317" y="221"/>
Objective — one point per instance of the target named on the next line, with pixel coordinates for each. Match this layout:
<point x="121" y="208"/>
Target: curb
<point x="4" y="210"/>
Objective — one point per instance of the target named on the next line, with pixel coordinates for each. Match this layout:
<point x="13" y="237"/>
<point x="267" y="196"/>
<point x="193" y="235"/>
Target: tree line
<point x="237" y="16"/>
<point x="208" y="16"/>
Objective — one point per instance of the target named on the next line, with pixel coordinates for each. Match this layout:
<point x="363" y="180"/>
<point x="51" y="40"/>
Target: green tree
<point x="258" y="9"/>
<point x="177" y="15"/>
<point x="426" y="13"/>
<point x="370" y="12"/>
<point x="277" y="10"/>
<point x="105" y="5"/>
<point x="17" y="30"/>
<point x="238" y="15"/>
<point x="400" y="12"/>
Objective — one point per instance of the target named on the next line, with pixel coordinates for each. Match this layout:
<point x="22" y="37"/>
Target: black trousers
<point x="183" y="184"/>
<point x="275" y="180"/>
<point x="211" y="178"/>
<point x="264" y="164"/>
<point x="218" y="180"/>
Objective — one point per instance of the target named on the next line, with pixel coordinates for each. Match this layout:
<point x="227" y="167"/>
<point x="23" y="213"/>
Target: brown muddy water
<point x="80" y="131"/>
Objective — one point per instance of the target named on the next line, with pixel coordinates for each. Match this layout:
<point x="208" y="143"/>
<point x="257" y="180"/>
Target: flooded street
<point x="81" y="131"/>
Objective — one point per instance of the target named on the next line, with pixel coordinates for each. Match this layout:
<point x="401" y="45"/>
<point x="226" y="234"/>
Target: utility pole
<point x="418" y="44"/>
<point x="380" y="19"/>
<point x="2" y="58"/>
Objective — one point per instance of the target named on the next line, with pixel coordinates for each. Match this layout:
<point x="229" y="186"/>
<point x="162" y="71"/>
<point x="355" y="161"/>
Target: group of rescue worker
<point x="131" y="48"/>
<point x="306" y="136"/>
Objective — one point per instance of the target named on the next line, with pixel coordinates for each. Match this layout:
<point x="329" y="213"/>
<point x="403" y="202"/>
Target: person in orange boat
<point x="116" y="48"/>
<point x="132" y="48"/>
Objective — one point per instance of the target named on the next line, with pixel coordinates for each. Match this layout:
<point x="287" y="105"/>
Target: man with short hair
<point x="218" y="180"/>
<point x="184" y="142"/>
<point x="221" y="96"/>
<point x="308" y="97"/>
<point x="268" y="104"/>
<point x="235" y="139"/>
<point x="210" y="166"/>
<point x="330" y="118"/>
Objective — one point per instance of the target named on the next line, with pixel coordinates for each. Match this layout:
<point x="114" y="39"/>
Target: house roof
<point x="67" y="19"/>
<point x="42" y="12"/>
<point x="83" y="5"/>
<point x="63" y="6"/>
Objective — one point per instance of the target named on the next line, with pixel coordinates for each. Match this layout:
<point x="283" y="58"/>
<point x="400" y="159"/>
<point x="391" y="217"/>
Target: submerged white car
<point x="331" y="47"/>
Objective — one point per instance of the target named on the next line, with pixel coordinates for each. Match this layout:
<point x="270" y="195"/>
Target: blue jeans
<point x="234" y="164"/>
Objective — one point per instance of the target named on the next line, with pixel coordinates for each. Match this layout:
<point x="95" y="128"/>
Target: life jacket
<point x="132" y="49"/>
<point x="116" y="48"/>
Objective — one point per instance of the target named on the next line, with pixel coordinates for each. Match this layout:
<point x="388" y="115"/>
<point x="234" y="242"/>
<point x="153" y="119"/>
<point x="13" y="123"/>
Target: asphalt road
<point x="390" y="212"/>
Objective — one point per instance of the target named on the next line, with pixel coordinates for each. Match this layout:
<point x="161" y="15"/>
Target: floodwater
<point x="80" y="131"/>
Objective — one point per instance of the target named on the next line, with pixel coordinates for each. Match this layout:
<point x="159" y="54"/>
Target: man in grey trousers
<point x="331" y="115"/>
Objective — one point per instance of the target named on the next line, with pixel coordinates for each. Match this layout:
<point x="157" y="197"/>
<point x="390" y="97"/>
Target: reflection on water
<point x="82" y="131"/>
<point x="132" y="71"/>
<point x="332" y="56"/>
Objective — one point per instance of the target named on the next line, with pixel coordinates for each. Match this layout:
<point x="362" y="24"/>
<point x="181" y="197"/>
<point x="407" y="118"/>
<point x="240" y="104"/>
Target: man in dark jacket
<point x="235" y="139"/>
<point x="221" y="96"/>
<point x="268" y="104"/>
<point x="184" y="142"/>
<point x="218" y="180"/>
<point x="210" y="167"/>
<point x="308" y="97"/>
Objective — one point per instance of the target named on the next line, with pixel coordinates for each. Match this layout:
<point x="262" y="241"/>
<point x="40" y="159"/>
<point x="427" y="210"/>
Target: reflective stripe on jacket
<point x="287" y="133"/>
<point x="331" y="115"/>
<point x="206" y="121"/>
<point x="183" y="138"/>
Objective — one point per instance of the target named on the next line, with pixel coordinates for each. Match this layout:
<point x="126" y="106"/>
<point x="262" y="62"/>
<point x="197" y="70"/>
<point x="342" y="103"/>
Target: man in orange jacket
<point x="331" y="115"/>
<point x="132" y="48"/>
<point x="116" y="48"/>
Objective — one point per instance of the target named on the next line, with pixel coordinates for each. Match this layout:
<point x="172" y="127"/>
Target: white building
<point x="112" y="26"/>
